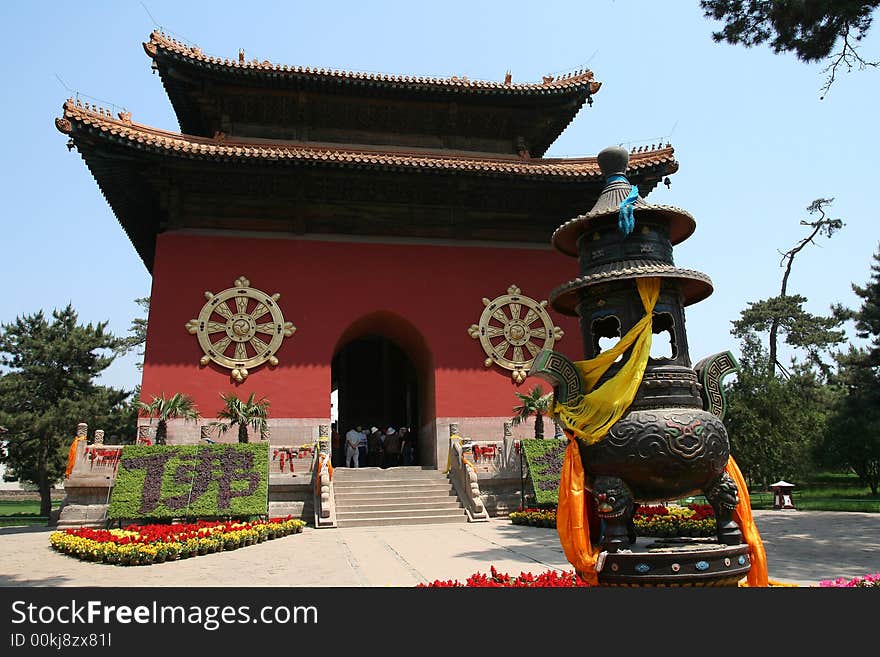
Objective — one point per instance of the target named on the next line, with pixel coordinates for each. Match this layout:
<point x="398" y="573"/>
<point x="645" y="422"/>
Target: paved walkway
<point x="803" y="547"/>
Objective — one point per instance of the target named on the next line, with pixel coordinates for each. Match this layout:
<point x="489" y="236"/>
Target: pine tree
<point x="815" y="30"/>
<point x="48" y="388"/>
<point x="852" y="438"/>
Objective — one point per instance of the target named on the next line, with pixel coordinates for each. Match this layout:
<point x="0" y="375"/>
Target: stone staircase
<point x="394" y="496"/>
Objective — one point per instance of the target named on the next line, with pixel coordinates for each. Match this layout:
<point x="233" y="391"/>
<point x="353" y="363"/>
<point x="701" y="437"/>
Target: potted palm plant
<point x="250" y="413"/>
<point x="535" y="403"/>
<point x="177" y="406"/>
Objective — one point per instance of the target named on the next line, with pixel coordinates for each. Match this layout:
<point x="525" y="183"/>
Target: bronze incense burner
<point x="671" y="442"/>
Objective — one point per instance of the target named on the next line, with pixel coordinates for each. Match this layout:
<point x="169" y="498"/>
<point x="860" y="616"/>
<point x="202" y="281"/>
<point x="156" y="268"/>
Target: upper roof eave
<point x="579" y="81"/>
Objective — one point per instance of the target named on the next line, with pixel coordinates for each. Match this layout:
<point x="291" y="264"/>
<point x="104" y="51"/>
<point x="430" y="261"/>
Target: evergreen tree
<point x="774" y="422"/>
<point x="137" y="332"/>
<point x="784" y="315"/>
<point x="776" y="414"/>
<point x="867" y="317"/>
<point x="812" y="29"/>
<point x="853" y="433"/>
<point x="48" y="387"/>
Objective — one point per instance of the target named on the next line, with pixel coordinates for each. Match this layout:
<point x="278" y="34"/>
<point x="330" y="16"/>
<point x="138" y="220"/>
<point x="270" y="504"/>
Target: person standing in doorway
<point x="392" y="448"/>
<point x="352" y="441"/>
<point x="336" y="451"/>
<point x="362" y="447"/>
<point x="374" y="448"/>
<point x="406" y="446"/>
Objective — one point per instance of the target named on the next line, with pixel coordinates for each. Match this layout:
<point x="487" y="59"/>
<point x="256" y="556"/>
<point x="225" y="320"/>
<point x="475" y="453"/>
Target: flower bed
<point x="544" y="459"/>
<point x="865" y="581"/>
<point x="657" y="521"/>
<point x="667" y="521"/>
<point x="141" y="545"/>
<point x="194" y="481"/>
<point x="547" y="579"/>
<point x="534" y="517"/>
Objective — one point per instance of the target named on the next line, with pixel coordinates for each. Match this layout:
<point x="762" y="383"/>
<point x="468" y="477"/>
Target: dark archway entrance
<point x="376" y="384"/>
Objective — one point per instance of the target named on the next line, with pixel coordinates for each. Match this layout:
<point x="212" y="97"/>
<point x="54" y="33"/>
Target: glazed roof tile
<point x="572" y="81"/>
<point x="122" y="129"/>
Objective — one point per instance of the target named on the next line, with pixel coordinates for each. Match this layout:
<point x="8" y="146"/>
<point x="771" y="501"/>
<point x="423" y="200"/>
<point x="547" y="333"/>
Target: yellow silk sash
<point x="591" y="418"/>
<point x="593" y="415"/>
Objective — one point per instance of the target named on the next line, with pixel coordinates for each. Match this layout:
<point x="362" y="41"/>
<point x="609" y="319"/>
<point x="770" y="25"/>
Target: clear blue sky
<point x="755" y="143"/>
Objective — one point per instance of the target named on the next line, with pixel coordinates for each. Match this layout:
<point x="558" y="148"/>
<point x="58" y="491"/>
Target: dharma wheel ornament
<point x="242" y="334"/>
<point x="512" y="330"/>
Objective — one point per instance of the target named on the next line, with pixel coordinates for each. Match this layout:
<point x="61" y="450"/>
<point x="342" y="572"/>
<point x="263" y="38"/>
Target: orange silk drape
<point x="71" y="455"/>
<point x="743" y="516"/>
<point x="572" y="521"/>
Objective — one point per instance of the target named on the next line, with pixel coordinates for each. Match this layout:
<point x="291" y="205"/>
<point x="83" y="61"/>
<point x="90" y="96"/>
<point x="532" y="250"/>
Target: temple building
<point x="380" y="241"/>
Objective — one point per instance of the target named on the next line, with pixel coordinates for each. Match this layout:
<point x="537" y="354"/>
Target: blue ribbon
<point x="626" y="221"/>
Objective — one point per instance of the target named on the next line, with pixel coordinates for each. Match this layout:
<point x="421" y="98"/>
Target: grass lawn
<point x="826" y="491"/>
<point x="21" y="512"/>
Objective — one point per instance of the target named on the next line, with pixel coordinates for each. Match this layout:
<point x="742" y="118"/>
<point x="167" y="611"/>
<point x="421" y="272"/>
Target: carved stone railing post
<point x="463" y="475"/>
<point x="99" y="437"/>
<point x="507" y="446"/>
<point x="79" y="449"/>
<point x="143" y="435"/>
<point x="325" y="508"/>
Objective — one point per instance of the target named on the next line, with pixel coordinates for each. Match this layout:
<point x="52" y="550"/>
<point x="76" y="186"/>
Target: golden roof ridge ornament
<point x="514" y="331"/>
<point x="238" y="348"/>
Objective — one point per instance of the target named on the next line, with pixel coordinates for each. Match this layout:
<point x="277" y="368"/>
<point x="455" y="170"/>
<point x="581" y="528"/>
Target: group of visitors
<point x="378" y="448"/>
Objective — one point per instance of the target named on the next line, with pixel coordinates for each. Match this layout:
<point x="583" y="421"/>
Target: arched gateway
<point x="373" y="219"/>
<point x="382" y="376"/>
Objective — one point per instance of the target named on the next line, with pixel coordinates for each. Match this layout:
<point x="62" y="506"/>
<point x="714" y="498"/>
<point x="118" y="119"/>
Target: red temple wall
<point x="422" y="296"/>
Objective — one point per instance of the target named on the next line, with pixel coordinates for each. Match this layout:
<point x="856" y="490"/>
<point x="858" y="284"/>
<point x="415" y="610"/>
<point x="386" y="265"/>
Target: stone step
<point x="374" y="474"/>
<point x="390" y="487"/>
<point x="380" y="481"/>
<point x="90" y="524"/>
<point x="399" y="513"/>
<point x="391" y="497"/>
<point x="381" y="505"/>
<point x="394" y="496"/>
<point x="384" y="521"/>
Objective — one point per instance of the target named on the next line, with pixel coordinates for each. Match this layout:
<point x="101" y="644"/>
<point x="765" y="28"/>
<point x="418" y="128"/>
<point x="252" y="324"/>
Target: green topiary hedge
<point x="545" y="458"/>
<point x="201" y="481"/>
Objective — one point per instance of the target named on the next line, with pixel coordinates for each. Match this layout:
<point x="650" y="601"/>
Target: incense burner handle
<point x="710" y="373"/>
<point x="559" y="372"/>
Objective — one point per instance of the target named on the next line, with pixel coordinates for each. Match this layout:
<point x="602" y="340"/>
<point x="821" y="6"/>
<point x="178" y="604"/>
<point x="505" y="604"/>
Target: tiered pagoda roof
<point x="265" y="100"/>
<point x="462" y="187"/>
